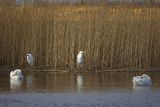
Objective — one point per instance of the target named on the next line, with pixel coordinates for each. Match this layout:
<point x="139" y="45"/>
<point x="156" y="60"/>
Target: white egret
<point x="16" y="74"/>
<point x="30" y="59"/>
<point x="143" y="80"/>
<point x="80" y="58"/>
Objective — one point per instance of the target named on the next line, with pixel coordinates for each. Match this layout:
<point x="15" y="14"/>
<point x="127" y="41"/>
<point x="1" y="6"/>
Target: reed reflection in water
<point x="29" y="80"/>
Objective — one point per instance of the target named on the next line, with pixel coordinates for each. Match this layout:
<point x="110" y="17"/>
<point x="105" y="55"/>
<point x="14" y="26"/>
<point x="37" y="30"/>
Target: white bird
<point x="30" y="59"/>
<point x="80" y="58"/>
<point x="143" y="80"/>
<point x="16" y="74"/>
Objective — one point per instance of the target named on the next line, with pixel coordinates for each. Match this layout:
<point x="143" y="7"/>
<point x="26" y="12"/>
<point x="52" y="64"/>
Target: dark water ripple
<point x="91" y="99"/>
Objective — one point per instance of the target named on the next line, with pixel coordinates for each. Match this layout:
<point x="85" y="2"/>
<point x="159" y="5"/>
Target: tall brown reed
<point x="113" y="37"/>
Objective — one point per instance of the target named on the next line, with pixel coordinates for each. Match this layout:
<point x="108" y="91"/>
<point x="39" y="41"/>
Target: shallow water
<point x="96" y="89"/>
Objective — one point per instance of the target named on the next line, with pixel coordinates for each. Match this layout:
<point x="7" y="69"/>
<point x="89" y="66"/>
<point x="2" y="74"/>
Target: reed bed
<point x="113" y="37"/>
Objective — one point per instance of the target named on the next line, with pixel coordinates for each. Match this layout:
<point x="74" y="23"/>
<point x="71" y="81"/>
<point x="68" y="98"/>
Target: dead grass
<point x="113" y="37"/>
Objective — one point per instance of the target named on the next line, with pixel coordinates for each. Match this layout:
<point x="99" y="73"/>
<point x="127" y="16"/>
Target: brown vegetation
<point x="112" y="36"/>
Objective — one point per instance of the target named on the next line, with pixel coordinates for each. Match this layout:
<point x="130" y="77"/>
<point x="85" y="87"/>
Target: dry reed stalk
<point x="113" y="37"/>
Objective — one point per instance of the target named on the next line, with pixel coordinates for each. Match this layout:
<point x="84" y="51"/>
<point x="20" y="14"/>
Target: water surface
<point x="95" y="89"/>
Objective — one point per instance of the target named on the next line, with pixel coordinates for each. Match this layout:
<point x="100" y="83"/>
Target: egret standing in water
<point x="80" y="59"/>
<point x="30" y="59"/>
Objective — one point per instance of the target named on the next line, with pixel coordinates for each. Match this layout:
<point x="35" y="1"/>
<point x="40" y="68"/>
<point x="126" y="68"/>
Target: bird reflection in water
<point x="141" y="88"/>
<point x="29" y="81"/>
<point x="79" y="82"/>
<point x="15" y="84"/>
